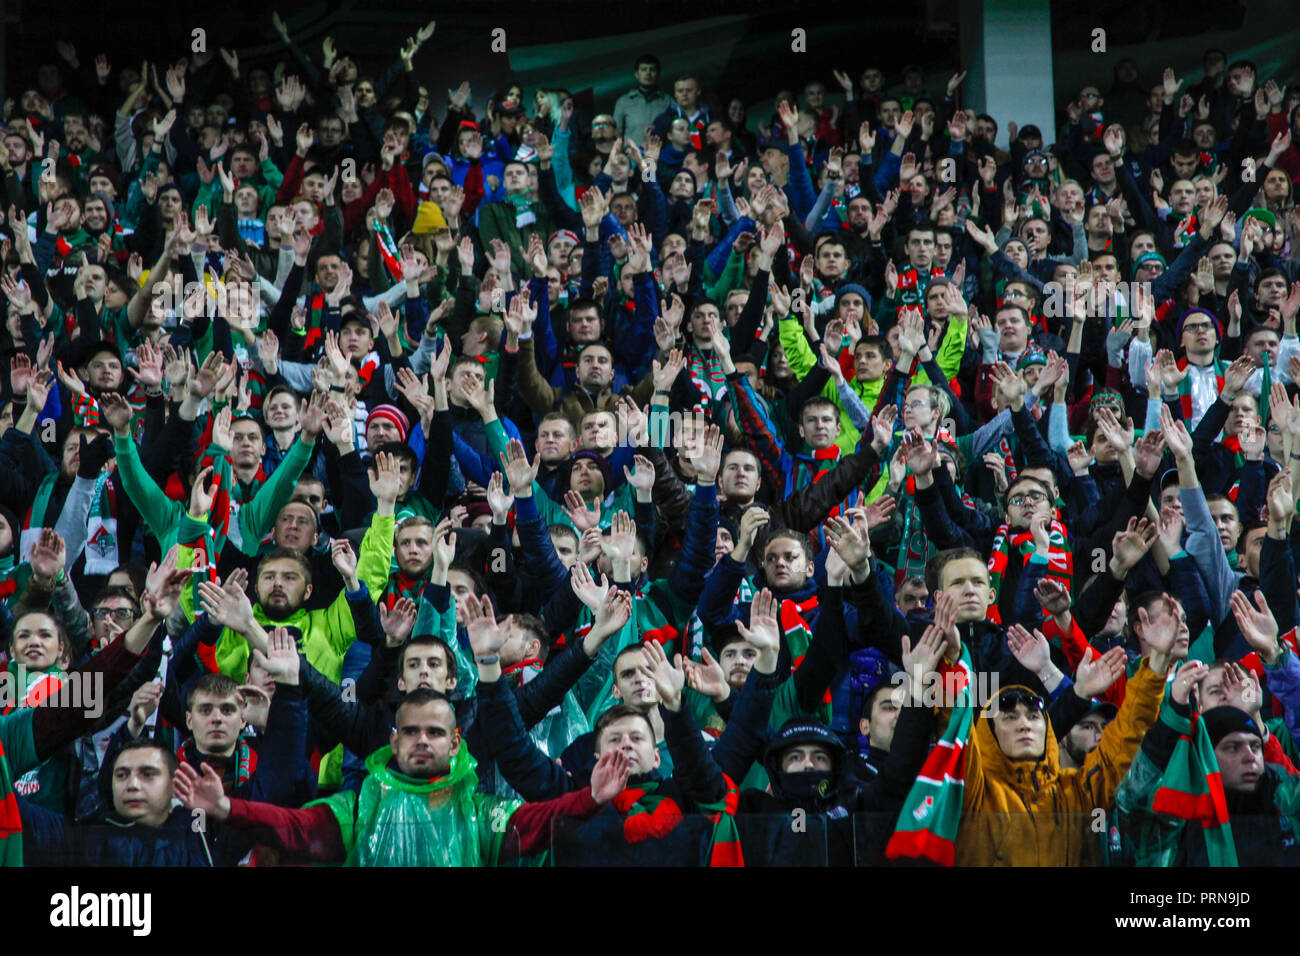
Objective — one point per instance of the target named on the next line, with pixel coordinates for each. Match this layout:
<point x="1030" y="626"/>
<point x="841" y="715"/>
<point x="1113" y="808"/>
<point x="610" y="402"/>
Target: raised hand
<point x="201" y="791"/>
<point x="1031" y="650"/>
<point x="668" y="678"/>
<point x="1257" y="624"/>
<point x="579" y="514"/>
<point x="1095" y="674"/>
<point x="585" y="587"/>
<point x="609" y="776"/>
<point x="398" y="623"/>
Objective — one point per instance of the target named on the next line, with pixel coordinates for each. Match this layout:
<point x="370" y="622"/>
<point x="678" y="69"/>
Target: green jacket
<point x="327" y="633"/>
<point x="391" y="822"/>
<point x="621" y="499"/>
<point x="1155" y="839"/>
<point x="17" y="756"/>
<point x="162" y="516"/>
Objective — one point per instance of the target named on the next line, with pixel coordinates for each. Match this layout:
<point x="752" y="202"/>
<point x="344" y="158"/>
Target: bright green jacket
<point x="162" y="516"/>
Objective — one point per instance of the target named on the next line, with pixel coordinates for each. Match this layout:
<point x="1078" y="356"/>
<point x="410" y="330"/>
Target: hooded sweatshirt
<point x="1033" y="812"/>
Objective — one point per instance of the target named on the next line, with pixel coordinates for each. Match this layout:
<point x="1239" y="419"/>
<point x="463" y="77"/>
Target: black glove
<point x="94" y="455"/>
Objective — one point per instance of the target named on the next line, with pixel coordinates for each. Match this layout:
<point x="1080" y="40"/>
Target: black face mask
<point x="818" y="786"/>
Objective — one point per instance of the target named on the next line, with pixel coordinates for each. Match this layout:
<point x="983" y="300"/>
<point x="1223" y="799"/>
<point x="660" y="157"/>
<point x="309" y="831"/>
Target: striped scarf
<point x="1060" y="561"/>
<point x="1192" y="790"/>
<point x="797" y="633"/>
<point x="388" y="251"/>
<point x="402" y="586"/>
<point x="650" y="815"/>
<point x="1185" y="387"/>
<point x="521" y="673"/>
<point x="705" y="372"/>
<point x="11" y="822"/>
<point x="101" y="527"/>
<point x="927" y="826"/>
<point x="244" y="758"/>
<point x="912" y="285"/>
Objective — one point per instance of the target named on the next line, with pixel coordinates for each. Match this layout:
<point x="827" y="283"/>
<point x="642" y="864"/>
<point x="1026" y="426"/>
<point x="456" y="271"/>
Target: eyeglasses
<point x="1009" y="700"/>
<point x="1197" y="327"/>
<point x="123" y="614"/>
<point x="913" y="406"/>
<point x="1028" y="498"/>
<point x="1007" y="296"/>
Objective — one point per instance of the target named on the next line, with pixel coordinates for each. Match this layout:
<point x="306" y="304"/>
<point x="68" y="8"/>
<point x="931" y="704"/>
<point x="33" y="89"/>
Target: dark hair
<point x="920" y="227"/>
<point x="830" y="239"/>
<point x="536" y="628"/>
<point x="480" y="585"/>
<point x="114" y="591"/>
<point x="284" y="554"/>
<point x="58" y="625"/>
<point x="1255" y="331"/>
<point x="869" y="702"/>
<point x="1254" y="524"/>
<point x="214" y="685"/>
<point x="630" y="649"/>
<point x="617" y="712"/>
<point x="1024" y="313"/>
<point x="134" y="570"/>
<point x="814" y="403"/>
<point x="647" y="58"/>
<point x="875" y="341"/>
<point x="584" y="302"/>
<point x="934" y="567"/>
<point x="430" y="640"/>
<point x="148" y="743"/>
<point x="1143" y="602"/>
<point x="419" y="698"/>
<point x="400" y="450"/>
<point x="1022" y="478"/>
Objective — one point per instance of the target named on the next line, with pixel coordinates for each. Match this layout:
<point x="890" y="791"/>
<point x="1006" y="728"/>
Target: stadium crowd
<point x="411" y="482"/>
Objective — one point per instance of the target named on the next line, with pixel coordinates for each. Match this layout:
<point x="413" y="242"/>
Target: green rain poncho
<point x="392" y="822"/>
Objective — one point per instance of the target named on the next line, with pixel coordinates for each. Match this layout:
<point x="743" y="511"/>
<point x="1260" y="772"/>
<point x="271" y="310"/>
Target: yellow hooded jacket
<point x="1034" y="812"/>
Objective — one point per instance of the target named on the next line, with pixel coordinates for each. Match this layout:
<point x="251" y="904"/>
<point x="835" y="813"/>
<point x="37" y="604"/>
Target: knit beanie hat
<point x="852" y="288"/>
<point x="1178" y="332"/>
<point x="1221" y="721"/>
<point x="601" y="462"/>
<point x="1146" y="257"/>
<point x="394" y="415"/>
<point x="428" y="218"/>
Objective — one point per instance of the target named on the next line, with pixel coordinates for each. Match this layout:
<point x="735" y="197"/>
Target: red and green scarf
<point x="1185" y="387"/>
<point x="388" y="251"/>
<point x="927" y="826"/>
<point x="1192" y="790"/>
<point x="244" y="759"/>
<point x="1060" y="561"/>
<point x="101" y="526"/>
<point x="797" y="633"/>
<point x="11" y="823"/>
<point x="650" y="815"/>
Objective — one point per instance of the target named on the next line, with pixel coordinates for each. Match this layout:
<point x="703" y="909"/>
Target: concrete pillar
<point x="1007" y="47"/>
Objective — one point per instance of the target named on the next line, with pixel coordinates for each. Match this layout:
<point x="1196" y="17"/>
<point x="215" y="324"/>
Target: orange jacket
<point x="1034" y="813"/>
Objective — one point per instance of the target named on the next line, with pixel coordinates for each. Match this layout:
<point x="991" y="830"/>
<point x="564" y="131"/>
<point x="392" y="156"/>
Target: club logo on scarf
<point x="101" y="546"/>
<point x="923" y="811"/>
